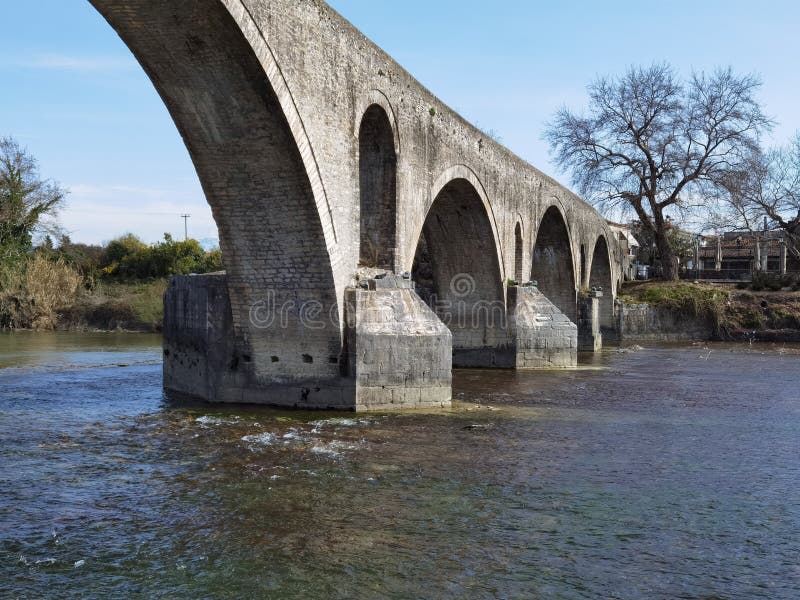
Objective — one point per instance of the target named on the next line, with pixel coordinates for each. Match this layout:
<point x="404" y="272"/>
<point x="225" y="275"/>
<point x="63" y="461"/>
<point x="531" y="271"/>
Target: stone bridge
<point x="345" y="193"/>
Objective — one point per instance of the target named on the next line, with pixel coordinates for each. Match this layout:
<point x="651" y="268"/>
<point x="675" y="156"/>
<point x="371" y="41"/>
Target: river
<point x="668" y="472"/>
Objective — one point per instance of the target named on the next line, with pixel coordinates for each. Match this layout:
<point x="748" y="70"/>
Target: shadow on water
<point x="662" y="472"/>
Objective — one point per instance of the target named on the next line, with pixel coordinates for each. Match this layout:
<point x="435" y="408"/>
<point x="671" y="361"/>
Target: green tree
<point x="128" y="257"/>
<point x="26" y="200"/>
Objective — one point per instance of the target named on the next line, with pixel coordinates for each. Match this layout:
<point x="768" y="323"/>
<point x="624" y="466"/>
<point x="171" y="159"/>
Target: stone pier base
<point x="396" y="353"/>
<point x="590" y="338"/>
<point x="545" y="338"/>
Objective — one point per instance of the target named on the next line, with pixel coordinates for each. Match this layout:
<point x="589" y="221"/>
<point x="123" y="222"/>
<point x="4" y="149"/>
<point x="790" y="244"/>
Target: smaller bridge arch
<point x="377" y="158"/>
<point x="601" y="275"/>
<point x="519" y="252"/>
<point x="448" y="176"/>
<point x="378" y="98"/>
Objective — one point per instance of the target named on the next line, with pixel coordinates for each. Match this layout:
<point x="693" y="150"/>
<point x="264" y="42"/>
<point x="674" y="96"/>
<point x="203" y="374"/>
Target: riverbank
<point x="664" y="311"/>
<point x="649" y="311"/>
<point x="134" y="307"/>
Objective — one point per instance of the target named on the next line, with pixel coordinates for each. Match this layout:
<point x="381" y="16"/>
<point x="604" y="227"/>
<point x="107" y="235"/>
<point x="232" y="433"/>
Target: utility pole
<point x="185" y="227"/>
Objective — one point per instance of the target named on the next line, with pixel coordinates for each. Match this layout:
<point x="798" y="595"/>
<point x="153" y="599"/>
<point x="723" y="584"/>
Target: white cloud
<point x="62" y="62"/>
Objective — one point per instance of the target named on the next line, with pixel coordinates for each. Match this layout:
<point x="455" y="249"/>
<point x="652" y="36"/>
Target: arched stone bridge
<point x="325" y="162"/>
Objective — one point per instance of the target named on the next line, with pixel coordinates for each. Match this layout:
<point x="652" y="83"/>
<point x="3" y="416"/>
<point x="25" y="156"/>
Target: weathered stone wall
<point x="642" y="322"/>
<point x="398" y="354"/>
<point x="201" y="358"/>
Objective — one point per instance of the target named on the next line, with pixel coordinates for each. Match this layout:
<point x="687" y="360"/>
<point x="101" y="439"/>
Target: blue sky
<point x="76" y="98"/>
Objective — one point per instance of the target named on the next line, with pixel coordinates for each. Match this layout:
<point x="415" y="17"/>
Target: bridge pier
<point x="590" y="337"/>
<point x="396" y="353"/>
<point x="540" y="334"/>
<point x="397" y="350"/>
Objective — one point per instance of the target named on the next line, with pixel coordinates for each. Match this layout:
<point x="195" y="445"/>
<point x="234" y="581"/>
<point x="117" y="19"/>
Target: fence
<point x="732" y="274"/>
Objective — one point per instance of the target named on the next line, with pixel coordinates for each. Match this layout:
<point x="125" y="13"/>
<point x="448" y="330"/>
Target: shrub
<point x="129" y="258"/>
<point x="38" y="292"/>
<point x="772" y="281"/>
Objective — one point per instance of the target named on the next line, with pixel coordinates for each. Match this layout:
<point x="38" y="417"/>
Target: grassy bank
<point x="50" y="296"/>
<point x="730" y="310"/>
<point x="118" y="286"/>
<point x="136" y="306"/>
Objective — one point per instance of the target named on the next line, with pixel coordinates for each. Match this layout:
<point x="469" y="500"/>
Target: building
<point x="630" y="247"/>
<point x="737" y="255"/>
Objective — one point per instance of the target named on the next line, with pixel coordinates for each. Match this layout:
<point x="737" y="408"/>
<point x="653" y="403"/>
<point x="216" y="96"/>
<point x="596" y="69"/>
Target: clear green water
<point x="656" y="474"/>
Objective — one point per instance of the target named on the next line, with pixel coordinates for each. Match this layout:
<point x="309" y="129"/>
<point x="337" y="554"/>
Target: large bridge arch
<point x="457" y="268"/>
<point x="219" y="80"/>
<point x="553" y="264"/>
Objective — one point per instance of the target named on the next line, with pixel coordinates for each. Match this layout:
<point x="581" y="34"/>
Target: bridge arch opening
<point x="553" y="265"/>
<point x="378" y="189"/>
<point x="254" y="177"/>
<point x="518" y="254"/>
<point x="582" y="271"/>
<point x="601" y="277"/>
<point x="457" y="272"/>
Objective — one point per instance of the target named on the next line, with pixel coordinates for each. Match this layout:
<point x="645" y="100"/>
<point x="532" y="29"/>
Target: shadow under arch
<point x="553" y="264"/>
<point x="229" y="103"/>
<point x="377" y="189"/>
<point x="458" y="273"/>
<point x="601" y="276"/>
<point x="519" y="252"/>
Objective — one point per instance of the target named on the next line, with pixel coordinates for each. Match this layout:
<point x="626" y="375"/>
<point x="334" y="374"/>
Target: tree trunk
<point x="666" y="258"/>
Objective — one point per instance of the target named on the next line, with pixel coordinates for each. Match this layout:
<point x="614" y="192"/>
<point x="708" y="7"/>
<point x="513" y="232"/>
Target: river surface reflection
<point x="667" y="472"/>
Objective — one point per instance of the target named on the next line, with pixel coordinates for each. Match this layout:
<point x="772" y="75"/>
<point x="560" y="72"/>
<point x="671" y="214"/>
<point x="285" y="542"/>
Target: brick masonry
<point x="397" y="353"/>
<point x="270" y="97"/>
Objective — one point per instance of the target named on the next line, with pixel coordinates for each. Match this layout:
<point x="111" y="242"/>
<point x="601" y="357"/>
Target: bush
<point x="128" y="258"/>
<point x="133" y="306"/>
<point x="37" y="292"/>
<point x="773" y="282"/>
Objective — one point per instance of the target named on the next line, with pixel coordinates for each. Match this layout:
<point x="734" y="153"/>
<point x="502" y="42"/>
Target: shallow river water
<point x="668" y="472"/>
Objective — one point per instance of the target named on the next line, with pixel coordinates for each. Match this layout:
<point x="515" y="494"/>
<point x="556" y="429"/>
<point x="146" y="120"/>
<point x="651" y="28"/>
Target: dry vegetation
<point x="34" y="297"/>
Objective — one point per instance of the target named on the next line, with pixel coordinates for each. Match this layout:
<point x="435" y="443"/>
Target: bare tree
<point x="655" y="145"/>
<point x="25" y="200"/>
<point x="768" y="188"/>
